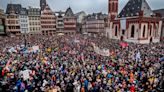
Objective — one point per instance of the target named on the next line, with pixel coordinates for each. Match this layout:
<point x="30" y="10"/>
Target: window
<point x="116" y="31"/>
<point x="150" y="30"/>
<point x="132" y="31"/>
<point x="113" y="6"/>
<point x="123" y="32"/>
<point x="144" y="29"/>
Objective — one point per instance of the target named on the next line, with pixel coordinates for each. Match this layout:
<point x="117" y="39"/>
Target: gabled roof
<point x="96" y="16"/>
<point x="47" y="9"/>
<point x="16" y="8"/>
<point x="34" y="11"/>
<point x="69" y="13"/>
<point x="23" y="11"/>
<point x="161" y="11"/>
<point x="42" y="4"/>
<point x="134" y="7"/>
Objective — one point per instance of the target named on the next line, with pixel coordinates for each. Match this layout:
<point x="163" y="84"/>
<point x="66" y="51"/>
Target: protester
<point x="70" y="64"/>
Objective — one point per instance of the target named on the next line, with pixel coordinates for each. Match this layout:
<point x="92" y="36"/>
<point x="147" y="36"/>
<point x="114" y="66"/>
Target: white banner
<point x="123" y="24"/>
<point x="103" y="52"/>
<point x="35" y="48"/>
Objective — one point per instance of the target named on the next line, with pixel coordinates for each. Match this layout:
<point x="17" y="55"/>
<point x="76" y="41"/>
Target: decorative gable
<point x="69" y="12"/>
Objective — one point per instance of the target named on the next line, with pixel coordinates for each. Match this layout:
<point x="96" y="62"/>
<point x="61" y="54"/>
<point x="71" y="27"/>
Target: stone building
<point x="23" y="18"/>
<point x="12" y="19"/>
<point x="34" y="15"/>
<point x="135" y="23"/>
<point x="69" y="22"/>
<point x="60" y="21"/>
<point x="48" y="21"/>
<point x="80" y="16"/>
<point x="161" y="11"/>
<point x="94" y="24"/>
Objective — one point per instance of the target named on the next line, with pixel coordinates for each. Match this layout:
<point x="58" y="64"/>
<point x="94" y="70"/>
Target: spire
<point x="12" y="8"/>
<point x="43" y="4"/>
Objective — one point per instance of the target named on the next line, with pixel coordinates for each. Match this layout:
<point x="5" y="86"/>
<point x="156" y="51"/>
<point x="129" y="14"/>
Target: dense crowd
<point x="70" y="64"/>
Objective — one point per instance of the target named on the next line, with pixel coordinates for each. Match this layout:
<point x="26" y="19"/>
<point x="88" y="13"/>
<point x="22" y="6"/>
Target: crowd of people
<point x="70" y="64"/>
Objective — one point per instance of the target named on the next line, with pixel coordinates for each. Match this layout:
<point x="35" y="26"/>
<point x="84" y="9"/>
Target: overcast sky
<point x="89" y="6"/>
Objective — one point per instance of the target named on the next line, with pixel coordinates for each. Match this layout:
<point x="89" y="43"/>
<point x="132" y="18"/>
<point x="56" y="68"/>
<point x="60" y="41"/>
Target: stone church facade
<point x="136" y="22"/>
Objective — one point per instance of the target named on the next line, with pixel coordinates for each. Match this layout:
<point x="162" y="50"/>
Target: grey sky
<point x="88" y="6"/>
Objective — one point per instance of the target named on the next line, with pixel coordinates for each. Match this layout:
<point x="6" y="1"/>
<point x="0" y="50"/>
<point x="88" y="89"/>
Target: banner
<point x="76" y="41"/>
<point x="124" y="44"/>
<point x="35" y="48"/>
<point x="138" y="56"/>
<point x="25" y="74"/>
<point x="123" y="23"/>
<point x="12" y="50"/>
<point x="103" y="52"/>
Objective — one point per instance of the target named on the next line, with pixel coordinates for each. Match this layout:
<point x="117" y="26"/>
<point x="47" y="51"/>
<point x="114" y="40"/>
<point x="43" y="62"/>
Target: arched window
<point x="116" y="7"/>
<point x="144" y="29"/>
<point x="150" y="30"/>
<point x="113" y="6"/>
<point x="116" y="31"/>
<point x="132" y="31"/>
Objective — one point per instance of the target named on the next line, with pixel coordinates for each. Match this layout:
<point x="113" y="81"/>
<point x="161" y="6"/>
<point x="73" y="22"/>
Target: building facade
<point x="161" y="11"/>
<point x="136" y="22"/>
<point x="94" y="24"/>
<point x="48" y="21"/>
<point x="69" y="22"/>
<point x="43" y="4"/>
<point x="60" y="21"/>
<point x="80" y="16"/>
<point x="34" y="15"/>
<point x="23" y="18"/>
<point x="12" y="19"/>
<point x="2" y="23"/>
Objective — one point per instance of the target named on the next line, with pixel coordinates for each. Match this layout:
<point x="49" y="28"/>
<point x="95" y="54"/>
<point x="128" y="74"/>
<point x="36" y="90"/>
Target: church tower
<point x="42" y="4"/>
<point x="112" y="9"/>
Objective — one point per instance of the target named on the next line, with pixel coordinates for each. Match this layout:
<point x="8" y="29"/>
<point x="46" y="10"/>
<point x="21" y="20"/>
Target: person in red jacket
<point x="132" y="88"/>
